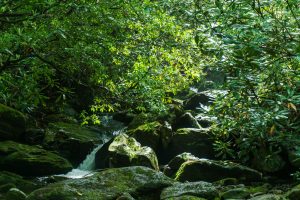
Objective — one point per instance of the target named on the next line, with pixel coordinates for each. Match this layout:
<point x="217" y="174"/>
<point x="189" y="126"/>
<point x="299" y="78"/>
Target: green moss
<point x="12" y="123"/>
<point x="31" y="160"/>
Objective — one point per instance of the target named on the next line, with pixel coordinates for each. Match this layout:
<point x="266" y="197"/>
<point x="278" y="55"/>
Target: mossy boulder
<point x="187" y="120"/>
<point x="12" y="123"/>
<point x="154" y="135"/>
<point x="211" y="170"/>
<point x="173" y="166"/>
<point x="30" y="160"/>
<point x="71" y="140"/>
<point x="10" y="180"/>
<point x="196" y="189"/>
<point x="124" y="151"/>
<point x="108" y="184"/>
<point x="196" y="141"/>
<point x="236" y="193"/>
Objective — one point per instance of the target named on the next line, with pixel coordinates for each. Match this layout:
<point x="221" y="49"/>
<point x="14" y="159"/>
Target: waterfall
<point x="88" y="165"/>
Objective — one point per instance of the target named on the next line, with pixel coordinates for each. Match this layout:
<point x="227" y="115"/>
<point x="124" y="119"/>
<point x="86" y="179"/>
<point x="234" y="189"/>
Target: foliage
<point x="256" y="43"/>
<point x="127" y="54"/>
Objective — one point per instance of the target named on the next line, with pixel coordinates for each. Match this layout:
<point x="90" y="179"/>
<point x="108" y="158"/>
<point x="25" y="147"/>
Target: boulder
<point x="196" y="141"/>
<point x="154" y="135"/>
<point x="30" y="160"/>
<point x="71" y="140"/>
<point x="10" y="180"/>
<point x="173" y="166"/>
<point x="187" y="120"/>
<point x="109" y="184"/>
<point x="196" y="189"/>
<point x="124" y="151"/>
<point x="12" y="123"/>
<point x="211" y="170"/>
<point x="34" y="136"/>
<point x="198" y="99"/>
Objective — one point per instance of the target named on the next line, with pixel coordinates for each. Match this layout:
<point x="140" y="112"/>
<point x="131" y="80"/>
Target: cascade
<point x="88" y="164"/>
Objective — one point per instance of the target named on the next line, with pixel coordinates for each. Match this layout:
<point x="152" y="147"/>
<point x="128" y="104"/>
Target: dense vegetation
<point x="118" y="55"/>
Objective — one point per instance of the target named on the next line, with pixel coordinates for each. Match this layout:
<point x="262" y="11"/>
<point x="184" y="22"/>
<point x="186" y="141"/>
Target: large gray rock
<point x="196" y="141"/>
<point x="30" y="160"/>
<point x="109" y="184"/>
<point x="124" y="151"/>
<point x="71" y="140"/>
<point x="196" y="189"/>
<point x="12" y="123"/>
<point x="211" y="170"/>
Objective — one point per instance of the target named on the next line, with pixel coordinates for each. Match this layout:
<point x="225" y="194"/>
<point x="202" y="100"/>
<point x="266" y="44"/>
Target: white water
<point x="88" y="165"/>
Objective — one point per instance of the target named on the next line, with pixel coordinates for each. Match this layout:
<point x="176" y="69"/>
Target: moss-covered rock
<point x="210" y="170"/>
<point x="196" y="99"/>
<point x="30" y="160"/>
<point x="10" y="180"/>
<point x="154" y="135"/>
<point x="12" y="123"/>
<point x="125" y="151"/>
<point x="196" y="189"/>
<point x="173" y="166"/>
<point x="196" y="141"/>
<point x="187" y="120"/>
<point x="109" y="184"/>
<point x="71" y="140"/>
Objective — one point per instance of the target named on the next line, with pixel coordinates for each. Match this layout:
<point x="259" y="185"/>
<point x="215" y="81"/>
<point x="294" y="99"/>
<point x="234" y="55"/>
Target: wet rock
<point x="71" y="140"/>
<point x="108" y="184"/>
<point x="196" y="141"/>
<point x="15" y="194"/>
<point x="125" y="151"/>
<point x="187" y="120"/>
<point x="196" y="189"/>
<point x="30" y="160"/>
<point x="12" y="123"/>
<point x="210" y="170"/>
